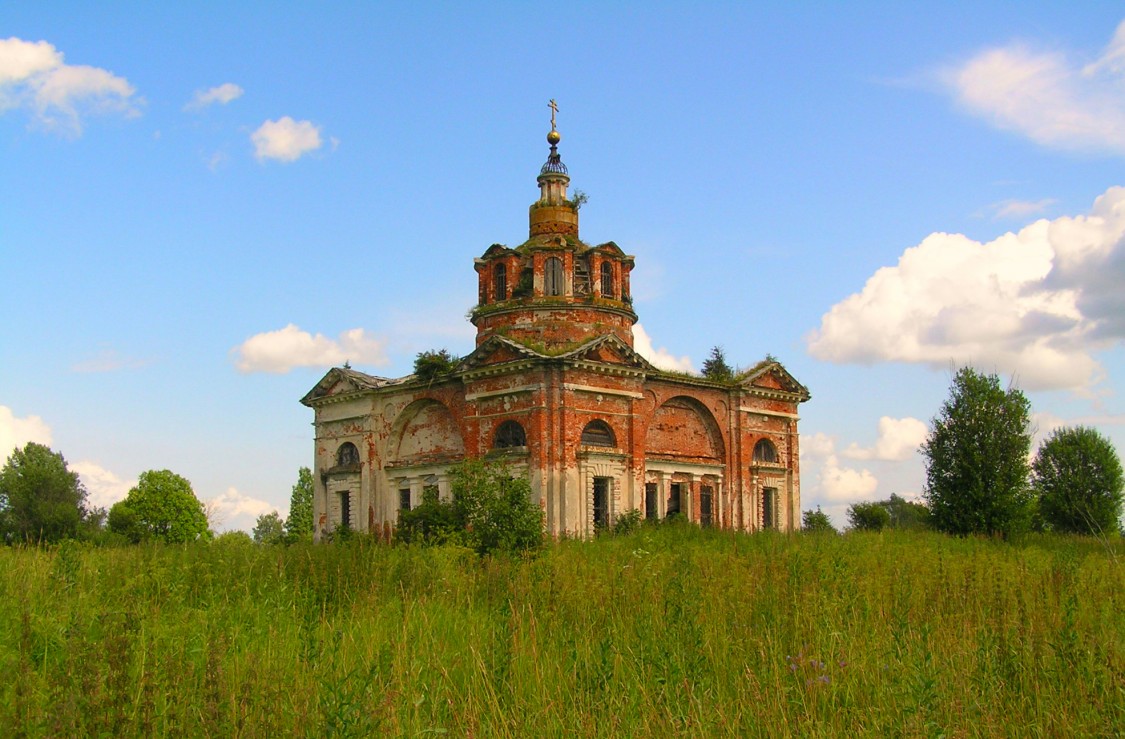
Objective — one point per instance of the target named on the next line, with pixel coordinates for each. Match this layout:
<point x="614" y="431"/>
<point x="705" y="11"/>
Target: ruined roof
<point x="345" y="381"/>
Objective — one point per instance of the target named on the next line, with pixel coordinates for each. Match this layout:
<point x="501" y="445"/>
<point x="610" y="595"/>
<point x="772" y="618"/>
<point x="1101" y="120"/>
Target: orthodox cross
<point x="554" y="109"/>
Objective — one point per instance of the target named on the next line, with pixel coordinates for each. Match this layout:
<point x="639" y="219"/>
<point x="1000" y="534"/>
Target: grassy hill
<point x="671" y="630"/>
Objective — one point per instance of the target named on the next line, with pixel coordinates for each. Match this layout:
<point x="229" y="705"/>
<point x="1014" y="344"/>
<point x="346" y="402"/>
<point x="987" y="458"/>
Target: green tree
<point x="868" y="517"/>
<point x="430" y="522"/>
<point x="162" y="507"/>
<point x="815" y="522"/>
<point x="496" y="508"/>
<point x="977" y="458"/>
<point x="906" y="514"/>
<point x="1078" y="480"/>
<point x="299" y="524"/>
<point x="491" y="511"/>
<point x="715" y="367"/>
<point x="269" y="528"/>
<point x="41" y="500"/>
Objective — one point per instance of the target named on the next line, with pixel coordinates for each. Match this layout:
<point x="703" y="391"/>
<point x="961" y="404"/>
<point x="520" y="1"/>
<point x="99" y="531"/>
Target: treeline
<point x="43" y="502"/>
<point x="981" y="479"/>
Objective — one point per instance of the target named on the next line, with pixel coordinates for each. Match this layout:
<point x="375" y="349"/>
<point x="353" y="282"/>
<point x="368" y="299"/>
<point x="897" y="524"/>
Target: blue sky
<point x="204" y="207"/>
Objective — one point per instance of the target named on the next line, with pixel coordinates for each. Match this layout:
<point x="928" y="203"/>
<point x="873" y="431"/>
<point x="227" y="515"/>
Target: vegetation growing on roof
<point x="429" y="365"/>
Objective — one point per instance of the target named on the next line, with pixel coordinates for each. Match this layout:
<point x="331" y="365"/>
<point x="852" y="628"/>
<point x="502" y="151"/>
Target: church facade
<point x="555" y="390"/>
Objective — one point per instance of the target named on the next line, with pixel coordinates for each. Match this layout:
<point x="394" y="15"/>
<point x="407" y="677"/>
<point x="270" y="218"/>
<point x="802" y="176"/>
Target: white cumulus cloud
<point x="16" y="432"/>
<point x="223" y="94"/>
<point x="1046" y="95"/>
<point x="34" y="76"/>
<point x="104" y="487"/>
<point x="834" y="483"/>
<point x="235" y="510"/>
<point x="285" y="139"/>
<point x="1037" y="303"/>
<point x="661" y="357"/>
<point x="282" y="350"/>
<point x="899" y="439"/>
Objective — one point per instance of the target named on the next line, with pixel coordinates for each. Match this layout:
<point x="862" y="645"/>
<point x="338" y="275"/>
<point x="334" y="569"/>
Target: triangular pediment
<point x="343" y="381"/>
<point x="771" y="376"/>
<point x="496" y="350"/>
<point x="494" y="250"/>
<point x="610" y="349"/>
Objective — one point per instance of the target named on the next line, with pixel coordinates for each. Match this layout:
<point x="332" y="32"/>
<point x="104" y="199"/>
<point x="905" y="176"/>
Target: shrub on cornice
<point x="430" y="364"/>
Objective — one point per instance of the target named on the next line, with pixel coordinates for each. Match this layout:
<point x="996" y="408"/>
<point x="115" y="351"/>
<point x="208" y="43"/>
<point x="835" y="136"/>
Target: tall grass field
<point x="670" y="631"/>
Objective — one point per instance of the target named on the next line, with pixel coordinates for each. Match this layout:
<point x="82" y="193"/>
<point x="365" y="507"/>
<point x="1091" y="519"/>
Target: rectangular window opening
<point x="404" y="499"/>
<point x="346" y="509"/>
<point x="705" y="498"/>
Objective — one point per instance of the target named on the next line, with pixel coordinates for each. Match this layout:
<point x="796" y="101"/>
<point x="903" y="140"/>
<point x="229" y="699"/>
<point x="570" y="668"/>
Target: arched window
<point x="765" y="451"/>
<point x="500" y="281"/>
<point x="607" y="279"/>
<point x="553" y="276"/>
<point x="598" y="433"/>
<point x="510" y="434"/>
<point x="347" y="454"/>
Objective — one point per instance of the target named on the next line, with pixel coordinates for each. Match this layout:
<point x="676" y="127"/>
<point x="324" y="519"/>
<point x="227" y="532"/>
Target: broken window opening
<point x="765" y="451"/>
<point x="509" y="434"/>
<point x="404" y="499"/>
<point x="553" y="276"/>
<point x="607" y="280"/>
<point x="500" y="282"/>
<point x="598" y="433"/>
<point x="347" y="454"/>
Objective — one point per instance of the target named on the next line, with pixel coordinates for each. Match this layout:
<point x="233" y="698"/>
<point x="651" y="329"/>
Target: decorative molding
<point x="508" y="391"/>
<point x="601" y="390"/>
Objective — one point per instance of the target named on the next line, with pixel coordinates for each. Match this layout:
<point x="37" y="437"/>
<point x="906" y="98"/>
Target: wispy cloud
<point x="33" y="76"/>
<point x="1047" y="96"/>
<point x="223" y="94"/>
<point x="1006" y="209"/>
<point x="108" y="360"/>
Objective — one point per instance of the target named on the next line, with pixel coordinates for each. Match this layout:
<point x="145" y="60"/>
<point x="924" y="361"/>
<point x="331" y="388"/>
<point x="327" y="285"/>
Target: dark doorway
<point x="651" y="493"/>
<point x="601" y="502"/>
<point x="674" y="498"/>
<point x="769" y="508"/>
<point x="705" y="517"/>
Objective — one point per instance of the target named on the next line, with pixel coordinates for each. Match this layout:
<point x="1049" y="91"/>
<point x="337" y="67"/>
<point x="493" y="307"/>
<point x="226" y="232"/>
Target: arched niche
<point x="683" y="428"/>
<point x="425" y="430"/>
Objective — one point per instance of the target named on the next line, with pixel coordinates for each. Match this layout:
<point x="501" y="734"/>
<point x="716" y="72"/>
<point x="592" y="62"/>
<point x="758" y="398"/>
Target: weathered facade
<point x="555" y="389"/>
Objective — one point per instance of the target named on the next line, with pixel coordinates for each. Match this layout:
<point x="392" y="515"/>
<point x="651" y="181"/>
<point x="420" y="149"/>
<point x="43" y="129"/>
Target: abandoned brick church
<point x="555" y="390"/>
